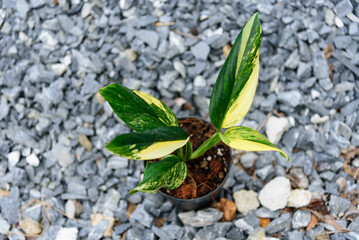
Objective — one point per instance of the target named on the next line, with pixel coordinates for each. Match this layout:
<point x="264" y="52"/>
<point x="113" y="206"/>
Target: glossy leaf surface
<point x="169" y="173"/>
<point x="139" y="110"/>
<point x="237" y="81"/>
<point x="149" y="144"/>
<point x="247" y="139"/>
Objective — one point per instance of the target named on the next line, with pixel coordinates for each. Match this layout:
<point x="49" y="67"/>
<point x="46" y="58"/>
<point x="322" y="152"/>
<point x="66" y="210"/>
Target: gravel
<point x="54" y="124"/>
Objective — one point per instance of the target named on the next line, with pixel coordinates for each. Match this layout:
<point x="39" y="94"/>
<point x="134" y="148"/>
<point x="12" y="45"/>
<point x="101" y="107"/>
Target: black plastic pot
<point x="197" y="203"/>
<point x="201" y="202"/>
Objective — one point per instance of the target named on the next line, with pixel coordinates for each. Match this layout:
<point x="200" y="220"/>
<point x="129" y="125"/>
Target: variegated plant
<point x="158" y="135"/>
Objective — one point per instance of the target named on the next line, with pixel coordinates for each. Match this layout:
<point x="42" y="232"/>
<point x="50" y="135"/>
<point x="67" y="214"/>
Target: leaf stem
<point x="210" y="142"/>
<point x="180" y="153"/>
<point x="189" y="150"/>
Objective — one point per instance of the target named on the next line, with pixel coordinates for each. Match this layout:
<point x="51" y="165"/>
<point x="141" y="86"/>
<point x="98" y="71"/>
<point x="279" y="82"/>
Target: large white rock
<point x="246" y="201"/>
<point x="275" y="193"/>
<point x="275" y="127"/>
<point x="67" y="233"/>
<point x="299" y="198"/>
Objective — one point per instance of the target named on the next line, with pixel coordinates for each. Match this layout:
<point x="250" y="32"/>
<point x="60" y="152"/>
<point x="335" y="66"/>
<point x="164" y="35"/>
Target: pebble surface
<point x="55" y="55"/>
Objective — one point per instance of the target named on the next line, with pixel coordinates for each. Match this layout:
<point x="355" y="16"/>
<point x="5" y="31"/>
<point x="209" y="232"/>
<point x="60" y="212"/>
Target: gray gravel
<point x="54" y="125"/>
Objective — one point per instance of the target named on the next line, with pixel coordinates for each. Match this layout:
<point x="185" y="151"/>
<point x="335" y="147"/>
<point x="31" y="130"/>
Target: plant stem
<point x="210" y="142"/>
<point x="189" y="150"/>
<point x="180" y="153"/>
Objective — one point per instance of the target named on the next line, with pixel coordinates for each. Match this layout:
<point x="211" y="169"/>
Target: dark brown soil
<point x="206" y="172"/>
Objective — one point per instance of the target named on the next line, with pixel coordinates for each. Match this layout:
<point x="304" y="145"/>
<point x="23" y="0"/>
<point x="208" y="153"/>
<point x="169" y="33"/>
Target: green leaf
<point x="139" y="110"/>
<point x="247" y="139"/>
<point x="236" y="84"/>
<point x="169" y="173"/>
<point x="151" y="144"/>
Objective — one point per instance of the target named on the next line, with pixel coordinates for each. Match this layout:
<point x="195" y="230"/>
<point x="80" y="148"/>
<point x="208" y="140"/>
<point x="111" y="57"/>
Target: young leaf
<point x="151" y="144"/>
<point x="170" y="172"/>
<point x="247" y="139"/>
<point x="139" y="110"/>
<point x="236" y="84"/>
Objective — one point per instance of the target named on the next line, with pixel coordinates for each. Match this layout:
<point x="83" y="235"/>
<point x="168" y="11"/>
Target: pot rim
<point x="218" y="187"/>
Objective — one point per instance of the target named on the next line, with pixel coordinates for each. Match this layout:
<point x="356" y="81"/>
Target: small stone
<point x="200" y="50"/>
<point x="246" y="201"/>
<point x="320" y="66"/>
<point x="90" y="86"/>
<point x="248" y="158"/>
<point x="266" y="213"/>
<point x="67" y="233"/>
<point x="344" y="86"/>
<point x="59" y="68"/>
<point x="299" y="198"/>
<point x="73" y="208"/>
<point x="279" y="224"/>
<point x="350" y="108"/>
<point x="201" y="218"/>
<point x="13" y="158"/>
<point x="42" y="125"/>
<point x="342" y="129"/>
<point x="258" y="233"/>
<point x="338" y="205"/>
<point x="22" y="8"/>
<point x="199" y="81"/>
<point x="316" y="119"/>
<point x="86" y="9"/>
<point x="62" y="155"/>
<point x="6" y="28"/>
<point x="281" y="187"/>
<point x="30" y="226"/>
<point x="85" y="142"/>
<point x="291" y="98"/>
<point x="275" y="127"/>
<point x="117" y="162"/>
<point x="132" y="55"/>
<point x="343" y="8"/>
<point x="228" y="208"/>
<point x="102" y="226"/>
<point x="301" y="180"/>
<point x="301" y="218"/>
<point x="293" y="60"/>
<point x="217" y="41"/>
<point x="142" y="216"/>
<point x="243" y="225"/>
<point x="112" y="199"/>
<point x="326" y="84"/>
<point x="33" y="160"/>
<point x="179" y="67"/>
<point x="4" y="225"/>
<point x="149" y="37"/>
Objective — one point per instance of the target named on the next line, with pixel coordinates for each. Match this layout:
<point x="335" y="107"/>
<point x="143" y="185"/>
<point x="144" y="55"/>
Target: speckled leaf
<point x="247" y="139"/>
<point x="169" y="173"/>
<point x="151" y="144"/>
<point x="138" y="110"/>
<point x="236" y="84"/>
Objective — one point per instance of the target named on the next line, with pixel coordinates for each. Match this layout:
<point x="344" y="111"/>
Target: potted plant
<point x="191" y="157"/>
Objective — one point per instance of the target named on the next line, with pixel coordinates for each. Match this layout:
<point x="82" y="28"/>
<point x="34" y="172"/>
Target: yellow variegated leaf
<point x="247" y="139"/>
<point x="150" y="144"/>
<point x="242" y="104"/>
<point x="236" y="84"/>
<point x="169" y="173"/>
<point x="163" y="112"/>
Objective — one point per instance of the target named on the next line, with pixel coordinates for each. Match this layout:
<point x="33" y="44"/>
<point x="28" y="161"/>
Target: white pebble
<point x="275" y="193"/>
<point x="13" y="158"/>
<point x="33" y="160"/>
<point x="67" y="234"/>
